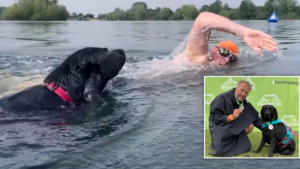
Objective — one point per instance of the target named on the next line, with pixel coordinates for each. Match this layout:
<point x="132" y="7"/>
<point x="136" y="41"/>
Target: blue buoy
<point x="273" y="17"/>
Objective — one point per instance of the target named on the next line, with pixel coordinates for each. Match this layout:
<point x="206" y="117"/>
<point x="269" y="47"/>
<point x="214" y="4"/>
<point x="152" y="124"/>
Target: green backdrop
<point x="282" y="92"/>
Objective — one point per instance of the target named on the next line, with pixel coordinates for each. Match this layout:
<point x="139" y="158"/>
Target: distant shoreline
<point x="142" y="20"/>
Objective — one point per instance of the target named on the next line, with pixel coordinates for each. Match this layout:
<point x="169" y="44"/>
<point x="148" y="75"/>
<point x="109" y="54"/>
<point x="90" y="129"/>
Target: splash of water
<point x="11" y="84"/>
<point x="176" y="62"/>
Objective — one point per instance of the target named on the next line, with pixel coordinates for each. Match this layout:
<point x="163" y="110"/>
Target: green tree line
<point x="50" y="10"/>
<point x="286" y="9"/>
<point x="36" y="10"/>
<point x="1" y="10"/>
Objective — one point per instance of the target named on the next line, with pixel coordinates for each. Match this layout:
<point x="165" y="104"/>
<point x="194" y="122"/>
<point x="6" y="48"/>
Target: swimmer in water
<point x="197" y="49"/>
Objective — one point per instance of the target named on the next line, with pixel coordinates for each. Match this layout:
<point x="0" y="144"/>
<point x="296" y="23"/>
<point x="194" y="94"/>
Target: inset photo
<point x="251" y="116"/>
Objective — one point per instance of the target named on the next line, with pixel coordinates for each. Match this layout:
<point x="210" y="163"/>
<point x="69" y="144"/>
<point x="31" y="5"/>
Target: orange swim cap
<point x="231" y="46"/>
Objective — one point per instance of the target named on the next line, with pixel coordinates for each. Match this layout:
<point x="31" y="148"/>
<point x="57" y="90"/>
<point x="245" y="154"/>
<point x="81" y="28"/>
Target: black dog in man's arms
<point x="276" y="133"/>
<point x="80" y="79"/>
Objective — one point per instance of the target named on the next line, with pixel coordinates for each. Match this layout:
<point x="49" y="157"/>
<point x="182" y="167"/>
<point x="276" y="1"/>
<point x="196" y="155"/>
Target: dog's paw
<point x="256" y="151"/>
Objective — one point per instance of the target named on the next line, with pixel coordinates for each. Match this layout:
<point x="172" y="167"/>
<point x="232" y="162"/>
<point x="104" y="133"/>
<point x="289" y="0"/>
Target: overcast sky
<point x="105" y="6"/>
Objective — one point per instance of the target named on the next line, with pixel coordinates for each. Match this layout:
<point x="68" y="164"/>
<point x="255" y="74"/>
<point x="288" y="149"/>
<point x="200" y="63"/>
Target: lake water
<point x="153" y="118"/>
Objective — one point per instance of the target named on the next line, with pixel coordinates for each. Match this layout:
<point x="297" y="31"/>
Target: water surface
<point x="153" y="117"/>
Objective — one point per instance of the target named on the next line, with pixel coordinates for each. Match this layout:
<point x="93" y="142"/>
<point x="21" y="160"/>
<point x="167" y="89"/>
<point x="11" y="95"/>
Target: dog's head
<point x="268" y="113"/>
<point x="99" y="74"/>
<point x="87" y="71"/>
<point x="112" y="63"/>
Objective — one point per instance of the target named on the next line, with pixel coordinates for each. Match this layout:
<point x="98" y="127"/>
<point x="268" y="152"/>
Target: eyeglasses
<point x="226" y="53"/>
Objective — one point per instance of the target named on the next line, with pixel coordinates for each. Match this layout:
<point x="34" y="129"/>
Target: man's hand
<point x="236" y="113"/>
<point x="259" y="40"/>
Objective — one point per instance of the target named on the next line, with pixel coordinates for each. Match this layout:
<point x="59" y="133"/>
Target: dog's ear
<point x="262" y="111"/>
<point x="94" y="83"/>
<point x="274" y="113"/>
<point x="104" y="49"/>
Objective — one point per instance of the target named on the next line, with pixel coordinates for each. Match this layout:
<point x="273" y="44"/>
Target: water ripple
<point x="153" y="115"/>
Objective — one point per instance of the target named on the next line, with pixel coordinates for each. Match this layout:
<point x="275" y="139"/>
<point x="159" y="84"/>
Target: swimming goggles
<point x="226" y="53"/>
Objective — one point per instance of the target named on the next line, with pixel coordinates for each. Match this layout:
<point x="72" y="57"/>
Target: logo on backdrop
<point x="229" y="84"/>
<point x="290" y="120"/>
<point x="209" y="98"/>
<point x="284" y="82"/>
<point x="251" y="82"/>
<point x="269" y="99"/>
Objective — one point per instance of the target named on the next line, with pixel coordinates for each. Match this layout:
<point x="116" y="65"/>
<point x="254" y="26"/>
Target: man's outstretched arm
<point x="200" y="34"/>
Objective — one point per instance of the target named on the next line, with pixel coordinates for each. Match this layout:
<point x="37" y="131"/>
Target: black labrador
<point x="79" y="80"/>
<point x="275" y="134"/>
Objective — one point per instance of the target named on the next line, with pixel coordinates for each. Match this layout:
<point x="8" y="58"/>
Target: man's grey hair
<point x="245" y="82"/>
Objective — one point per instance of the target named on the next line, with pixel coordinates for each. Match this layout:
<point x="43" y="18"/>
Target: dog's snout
<point x="267" y="116"/>
<point x="119" y="57"/>
<point x="121" y="52"/>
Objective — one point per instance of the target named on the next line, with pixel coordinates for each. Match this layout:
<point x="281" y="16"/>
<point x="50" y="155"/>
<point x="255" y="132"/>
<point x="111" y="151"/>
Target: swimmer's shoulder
<point x="191" y="59"/>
